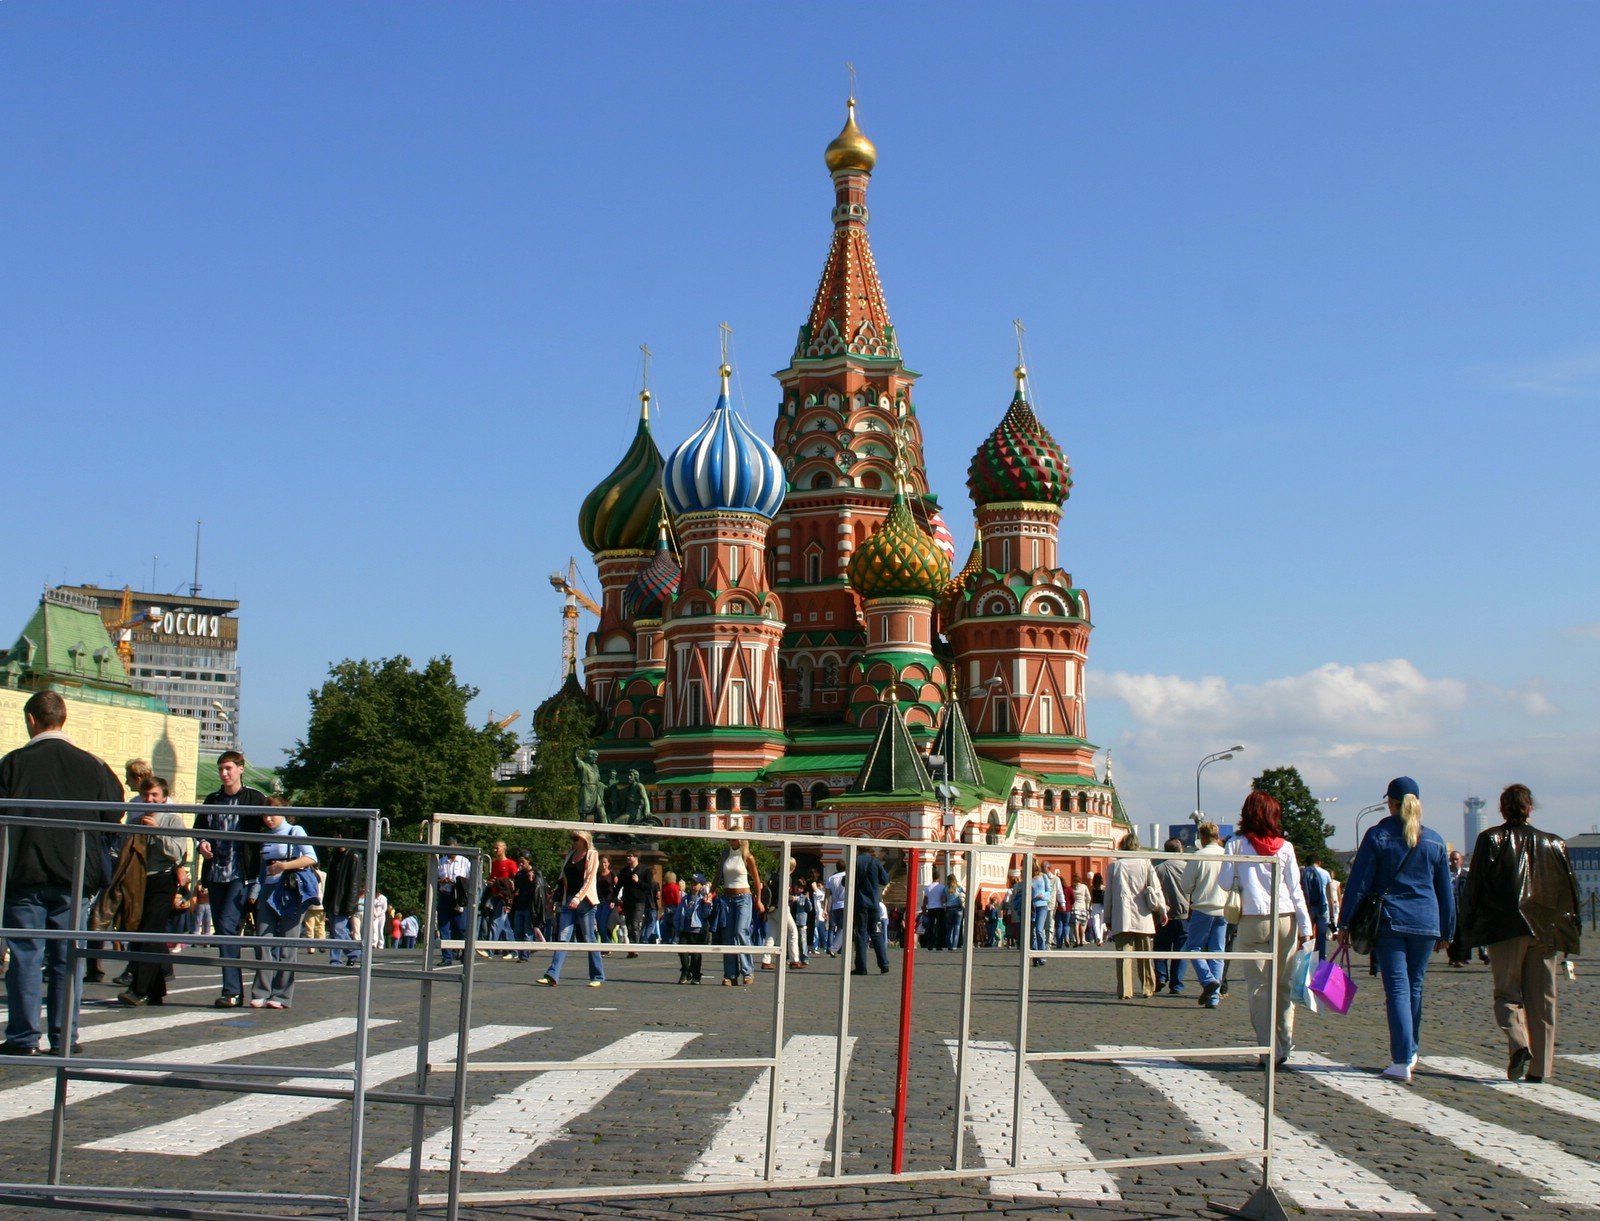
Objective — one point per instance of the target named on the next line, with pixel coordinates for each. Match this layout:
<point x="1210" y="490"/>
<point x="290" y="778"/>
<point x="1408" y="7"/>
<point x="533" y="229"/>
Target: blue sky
<point x="1310" y="295"/>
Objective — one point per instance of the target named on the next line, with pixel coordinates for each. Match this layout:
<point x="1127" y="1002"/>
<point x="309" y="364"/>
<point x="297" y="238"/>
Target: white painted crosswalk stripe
<point x="1566" y="1179"/>
<point x="130" y="1027"/>
<point x="39" y="1098"/>
<point x="1544" y="1094"/>
<point x="1588" y="1060"/>
<point x="805" y="1118"/>
<point x="255" y="1114"/>
<point x="500" y="1134"/>
<point x="1306" y="1171"/>
<point x="1048" y="1132"/>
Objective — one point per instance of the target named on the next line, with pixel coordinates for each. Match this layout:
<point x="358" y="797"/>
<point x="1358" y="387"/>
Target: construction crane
<point x="502" y="722"/>
<point x="122" y="629"/>
<point x="568" y="585"/>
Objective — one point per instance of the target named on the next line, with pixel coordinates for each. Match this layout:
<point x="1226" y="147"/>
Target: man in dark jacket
<point x="230" y="864"/>
<point x="1521" y="900"/>
<point x="871" y="878"/>
<point x="39" y="879"/>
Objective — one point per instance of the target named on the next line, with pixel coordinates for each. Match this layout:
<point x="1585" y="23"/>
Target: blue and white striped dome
<point x="724" y="466"/>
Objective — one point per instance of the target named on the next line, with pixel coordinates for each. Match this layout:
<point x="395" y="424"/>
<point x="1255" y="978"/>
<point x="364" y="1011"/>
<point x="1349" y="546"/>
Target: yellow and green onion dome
<point x="899" y="559"/>
<point x="957" y="585"/>
<point x="623" y="513"/>
<point x="657" y="582"/>
<point x="1020" y="461"/>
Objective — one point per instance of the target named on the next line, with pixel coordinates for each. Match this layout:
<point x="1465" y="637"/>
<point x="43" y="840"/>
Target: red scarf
<point x="1265" y="845"/>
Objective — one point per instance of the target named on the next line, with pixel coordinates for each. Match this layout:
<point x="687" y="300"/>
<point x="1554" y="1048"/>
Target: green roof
<point x="65" y="646"/>
<point x="721" y="779"/>
<point x="795" y="764"/>
<point x="893" y="764"/>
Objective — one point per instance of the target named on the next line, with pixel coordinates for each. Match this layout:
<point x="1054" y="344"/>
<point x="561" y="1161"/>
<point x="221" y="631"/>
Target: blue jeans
<point x="38" y="971"/>
<point x="1206" y="932"/>
<point x="952" y="926"/>
<point x="452" y="927"/>
<point x="276" y="982"/>
<point x="346" y="948"/>
<point x="1169" y="971"/>
<point x="228" y="901"/>
<point x="522" y="929"/>
<point x="1321" y="924"/>
<point x="1403" y="962"/>
<point x="580" y="918"/>
<point x="737" y="911"/>
<point x="1041" y="926"/>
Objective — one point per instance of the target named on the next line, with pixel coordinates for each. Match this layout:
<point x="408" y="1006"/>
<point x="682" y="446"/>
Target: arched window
<point x="724" y="799"/>
<point x="794" y="797"/>
<point x="821" y="480"/>
<point x="685" y="801"/>
<point x="819" y="794"/>
<point x="747" y="799"/>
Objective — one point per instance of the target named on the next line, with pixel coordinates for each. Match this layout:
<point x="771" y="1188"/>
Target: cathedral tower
<point x="846" y="398"/>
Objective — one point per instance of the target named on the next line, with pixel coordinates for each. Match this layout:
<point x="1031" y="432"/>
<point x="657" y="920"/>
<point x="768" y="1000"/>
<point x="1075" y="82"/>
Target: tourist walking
<point x="1208" y="927"/>
<point x="1406" y="865"/>
<point x="1174" y="933"/>
<point x="739" y="892"/>
<point x="1134" y="904"/>
<point x="286" y="884"/>
<point x="1521" y="900"/>
<point x="576" y="901"/>
<point x="163" y="861"/>
<point x="1261" y="834"/>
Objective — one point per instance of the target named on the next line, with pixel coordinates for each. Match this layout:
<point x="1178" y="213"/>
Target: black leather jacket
<point x="1521" y="884"/>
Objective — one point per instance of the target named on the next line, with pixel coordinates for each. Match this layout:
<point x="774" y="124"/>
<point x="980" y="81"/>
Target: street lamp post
<point x="1217" y="757"/>
<point x="947" y="795"/>
<point x="1363" y="812"/>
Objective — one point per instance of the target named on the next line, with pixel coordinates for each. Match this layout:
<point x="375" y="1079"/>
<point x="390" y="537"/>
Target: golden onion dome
<point x="899" y="559"/>
<point x="851" y="150"/>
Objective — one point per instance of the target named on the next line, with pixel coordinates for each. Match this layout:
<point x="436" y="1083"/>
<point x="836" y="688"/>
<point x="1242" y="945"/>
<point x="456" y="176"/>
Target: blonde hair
<point x="1411" y="817"/>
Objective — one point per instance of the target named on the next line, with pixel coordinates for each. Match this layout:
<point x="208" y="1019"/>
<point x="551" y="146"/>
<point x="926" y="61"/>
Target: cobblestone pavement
<point x="1459" y="1141"/>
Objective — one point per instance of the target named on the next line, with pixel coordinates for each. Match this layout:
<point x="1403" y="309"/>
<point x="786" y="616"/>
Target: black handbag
<point x="1363" y="926"/>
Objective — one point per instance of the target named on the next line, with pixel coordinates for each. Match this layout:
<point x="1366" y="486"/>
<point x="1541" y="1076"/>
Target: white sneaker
<point x="1412" y="1063"/>
<point x="1397" y="1072"/>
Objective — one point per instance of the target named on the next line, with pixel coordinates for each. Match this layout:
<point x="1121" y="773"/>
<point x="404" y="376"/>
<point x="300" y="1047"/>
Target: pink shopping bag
<point x="1332" y="983"/>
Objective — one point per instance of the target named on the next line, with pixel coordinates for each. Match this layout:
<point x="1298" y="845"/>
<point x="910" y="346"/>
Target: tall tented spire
<point x="848" y="314"/>
<point x="954" y="742"/>
<point x="893" y="765"/>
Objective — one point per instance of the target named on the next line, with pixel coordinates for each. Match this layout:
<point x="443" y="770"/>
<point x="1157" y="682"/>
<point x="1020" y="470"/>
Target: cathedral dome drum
<point x="725" y="467"/>
<point x="623" y="513"/>
<point x="1020" y="460"/>
<point x="899" y="559"/>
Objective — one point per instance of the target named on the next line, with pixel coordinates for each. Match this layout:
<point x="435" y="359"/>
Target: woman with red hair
<point x="1261" y="834"/>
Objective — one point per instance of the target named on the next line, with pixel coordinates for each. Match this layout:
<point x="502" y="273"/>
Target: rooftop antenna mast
<point x="194" y="589"/>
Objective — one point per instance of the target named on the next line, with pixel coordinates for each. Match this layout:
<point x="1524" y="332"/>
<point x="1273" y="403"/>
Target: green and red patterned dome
<point x="899" y="559"/>
<point x="1020" y="461"/>
<point x="623" y="513"/>
<point x="646" y="595"/>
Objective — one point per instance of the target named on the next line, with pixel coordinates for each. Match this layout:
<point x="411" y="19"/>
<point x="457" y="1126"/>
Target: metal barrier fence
<point x="81" y="819"/>
<point x="1263" y="1203"/>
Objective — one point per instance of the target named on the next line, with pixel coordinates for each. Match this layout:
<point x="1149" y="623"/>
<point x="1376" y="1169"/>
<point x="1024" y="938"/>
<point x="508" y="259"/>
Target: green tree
<point x="565" y="726"/>
<point x="385" y="736"/>
<point x="1303" y="824"/>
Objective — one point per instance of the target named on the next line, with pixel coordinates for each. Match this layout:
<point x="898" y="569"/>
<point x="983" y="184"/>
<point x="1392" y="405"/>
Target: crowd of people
<point x="1516" y="903"/>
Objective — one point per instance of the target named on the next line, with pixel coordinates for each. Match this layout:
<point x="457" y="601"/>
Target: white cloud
<point x="1589" y="630"/>
<point x="1348" y="728"/>
<point x="1384" y="699"/>
<point x="1570" y="374"/>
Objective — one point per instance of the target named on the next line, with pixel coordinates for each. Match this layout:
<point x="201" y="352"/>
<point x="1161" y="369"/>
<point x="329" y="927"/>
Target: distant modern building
<point x="1474" y="821"/>
<point x="185" y="649"/>
<point x="1585" y="853"/>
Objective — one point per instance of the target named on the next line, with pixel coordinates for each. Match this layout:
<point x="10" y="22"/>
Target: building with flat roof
<point x="181" y="648"/>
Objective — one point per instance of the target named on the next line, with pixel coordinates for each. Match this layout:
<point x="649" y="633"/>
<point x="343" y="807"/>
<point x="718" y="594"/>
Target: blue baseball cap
<point x="1402" y="785"/>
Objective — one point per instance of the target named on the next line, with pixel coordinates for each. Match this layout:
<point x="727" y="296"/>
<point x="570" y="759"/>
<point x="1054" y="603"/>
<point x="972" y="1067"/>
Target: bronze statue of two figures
<point x="611" y="800"/>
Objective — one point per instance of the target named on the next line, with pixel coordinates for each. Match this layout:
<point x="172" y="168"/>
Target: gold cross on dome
<point x="727" y="335"/>
<point x="1017" y="322"/>
<point x="645" y="348"/>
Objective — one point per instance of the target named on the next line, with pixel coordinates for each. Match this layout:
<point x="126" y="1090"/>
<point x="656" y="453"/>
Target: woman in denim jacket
<point x="1418" y="912"/>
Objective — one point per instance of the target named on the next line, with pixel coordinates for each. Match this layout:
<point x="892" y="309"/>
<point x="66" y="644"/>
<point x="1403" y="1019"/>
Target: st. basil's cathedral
<point x="782" y="641"/>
